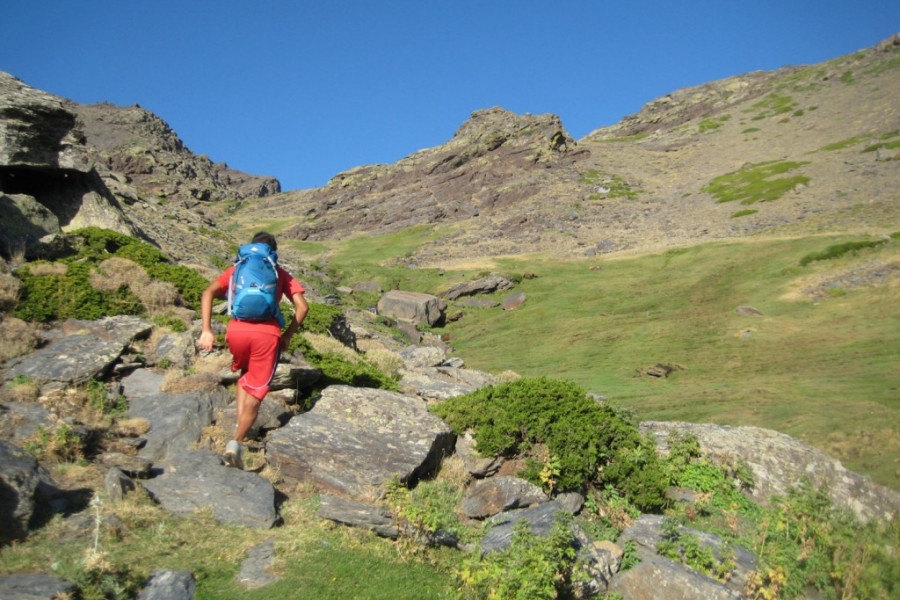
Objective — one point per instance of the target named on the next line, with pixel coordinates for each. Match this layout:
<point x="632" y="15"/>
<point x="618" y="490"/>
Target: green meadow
<point x="821" y="365"/>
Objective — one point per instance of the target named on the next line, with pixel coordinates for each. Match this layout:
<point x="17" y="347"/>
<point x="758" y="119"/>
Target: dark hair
<point x="265" y="238"/>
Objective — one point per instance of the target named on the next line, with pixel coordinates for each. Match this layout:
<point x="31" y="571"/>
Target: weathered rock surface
<point x="355" y="440"/>
<point x="661" y="578"/>
<point x="780" y="462"/>
<point x="21" y="420"/>
<point x="647" y="532"/>
<point x="176" y="420"/>
<point x="418" y="308"/>
<point x="193" y="480"/>
<point x="169" y="585"/>
<point x="497" y="494"/>
<point x="255" y="569"/>
<point x="25" y="488"/>
<point x="68" y="361"/>
<point x="483" y="285"/>
<point x="34" y="586"/>
<point x="358" y="514"/>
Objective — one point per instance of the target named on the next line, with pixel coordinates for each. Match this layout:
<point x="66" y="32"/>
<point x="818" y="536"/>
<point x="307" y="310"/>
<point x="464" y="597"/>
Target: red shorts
<point x="254" y="350"/>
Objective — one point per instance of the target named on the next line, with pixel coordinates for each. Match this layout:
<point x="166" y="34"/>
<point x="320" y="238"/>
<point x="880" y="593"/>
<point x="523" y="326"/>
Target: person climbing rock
<point x="254" y="286"/>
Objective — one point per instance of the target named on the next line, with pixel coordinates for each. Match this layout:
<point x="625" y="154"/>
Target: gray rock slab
<point x="169" y="585"/>
<point x="355" y="440"/>
<point x="647" y="532"/>
<point x="34" y="586"/>
<point x="415" y="307"/>
<point x="25" y="487"/>
<point x="779" y="462"/>
<point x="21" y="420"/>
<point x="119" y="327"/>
<point x="176" y="420"/>
<point x="198" y="479"/>
<point x="255" y="569"/>
<point x="494" y="495"/>
<point x="67" y="361"/>
<point x="540" y="518"/>
<point x="660" y="578"/>
<point x="358" y="514"/>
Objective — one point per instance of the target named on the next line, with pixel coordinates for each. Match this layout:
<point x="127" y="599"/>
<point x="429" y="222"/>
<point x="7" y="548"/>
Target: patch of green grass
<point x="751" y="130"/>
<point x="744" y="213"/>
<point x="823" y="372"/>
<point x="613" y="186"/>
<point x="315" y="559"/>
<point x="843" y="144"/>
<point x="756" y="182"/>
<point x="773" y="105"/>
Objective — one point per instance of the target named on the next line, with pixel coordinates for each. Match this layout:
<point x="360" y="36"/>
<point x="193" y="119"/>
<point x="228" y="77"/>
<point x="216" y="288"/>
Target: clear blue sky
<point x="303" y="90"/>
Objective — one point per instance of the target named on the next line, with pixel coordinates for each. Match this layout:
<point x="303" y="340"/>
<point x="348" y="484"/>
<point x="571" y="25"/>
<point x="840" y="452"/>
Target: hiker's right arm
<point x="207" y="337"/>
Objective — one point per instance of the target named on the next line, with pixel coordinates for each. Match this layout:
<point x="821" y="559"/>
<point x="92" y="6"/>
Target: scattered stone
<point x="515" y="301"/>
<point x="255" y="569"/>
<point x="117" y="484"/>
<point x="169" y="585"/>
<point x="358" y="514"/>
<point x="497" y="494"/>
<point x="476" y="465"/>
<point x="133" y="466"/>
<point x="483" y="285"/>
<point x="418" y="308"/>
<point x="540" y="519"/>
<point x="22" y="420"/>
<point x="748" y="311"/>
<point x="34" y="586"/>
<point x="71" y="360"/>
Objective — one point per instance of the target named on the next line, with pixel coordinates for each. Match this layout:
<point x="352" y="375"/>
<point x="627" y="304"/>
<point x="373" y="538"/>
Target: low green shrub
<point x="46" y="298"/>
<point x="839" y="250"/>
<point x="554" y="421"/>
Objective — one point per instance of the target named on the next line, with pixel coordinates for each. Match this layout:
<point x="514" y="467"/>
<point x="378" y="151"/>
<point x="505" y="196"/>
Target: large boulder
<point x="780" y="462"/>
<point x="418" y="308"/>
<point x="356" y="440"/>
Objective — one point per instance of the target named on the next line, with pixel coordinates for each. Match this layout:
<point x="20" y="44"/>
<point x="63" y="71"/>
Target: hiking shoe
<point x="233" y="455"/>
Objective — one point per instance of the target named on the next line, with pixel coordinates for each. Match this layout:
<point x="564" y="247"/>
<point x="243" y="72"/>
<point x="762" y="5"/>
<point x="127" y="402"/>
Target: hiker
<point x="256" y="341"/>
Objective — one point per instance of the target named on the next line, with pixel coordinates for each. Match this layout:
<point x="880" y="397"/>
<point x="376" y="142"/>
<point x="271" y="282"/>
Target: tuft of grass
<point x="756" y="182"/>
<point x="744" y="213"/>
<point x="839" y="250"/>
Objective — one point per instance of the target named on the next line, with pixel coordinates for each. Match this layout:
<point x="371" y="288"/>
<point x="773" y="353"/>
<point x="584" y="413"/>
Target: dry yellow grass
<point x="16" y="338"/>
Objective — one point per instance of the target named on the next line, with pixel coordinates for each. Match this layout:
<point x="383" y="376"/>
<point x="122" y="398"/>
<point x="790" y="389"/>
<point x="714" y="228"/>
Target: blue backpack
<point x="253" y="290"/>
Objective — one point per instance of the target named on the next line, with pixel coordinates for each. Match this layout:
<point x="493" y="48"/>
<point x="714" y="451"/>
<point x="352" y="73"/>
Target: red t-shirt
<point x="287" y="286"/>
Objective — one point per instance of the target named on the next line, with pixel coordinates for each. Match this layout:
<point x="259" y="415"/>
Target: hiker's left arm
<point x="300" y="310"/>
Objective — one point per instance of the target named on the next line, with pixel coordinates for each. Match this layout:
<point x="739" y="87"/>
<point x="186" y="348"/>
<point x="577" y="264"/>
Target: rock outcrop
<point x="64" y="166"/>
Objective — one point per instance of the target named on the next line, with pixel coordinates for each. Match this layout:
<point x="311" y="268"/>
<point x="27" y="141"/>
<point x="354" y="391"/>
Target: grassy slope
<point x="825" y="370"/>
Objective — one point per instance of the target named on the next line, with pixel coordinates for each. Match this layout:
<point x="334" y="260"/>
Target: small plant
<point x="744" y="213"/>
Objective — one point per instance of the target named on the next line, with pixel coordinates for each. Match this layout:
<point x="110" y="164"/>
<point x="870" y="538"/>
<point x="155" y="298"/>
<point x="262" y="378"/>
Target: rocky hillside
<point x="511" y="184"/>
<point x="65" y="165"/>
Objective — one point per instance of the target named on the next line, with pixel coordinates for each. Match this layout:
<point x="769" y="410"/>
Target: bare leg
<point x="247" y="411"/>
